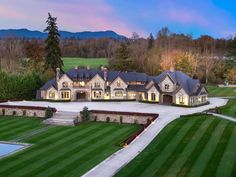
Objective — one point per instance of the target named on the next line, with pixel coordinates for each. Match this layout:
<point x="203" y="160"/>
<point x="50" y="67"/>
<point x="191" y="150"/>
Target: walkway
<point x="115" y="162"/>
<point x="224" y="117"/>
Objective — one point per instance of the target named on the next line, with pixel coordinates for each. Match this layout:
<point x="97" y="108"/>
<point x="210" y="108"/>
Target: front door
<point x="81" y="96"/>
<point x="167" y="99"/>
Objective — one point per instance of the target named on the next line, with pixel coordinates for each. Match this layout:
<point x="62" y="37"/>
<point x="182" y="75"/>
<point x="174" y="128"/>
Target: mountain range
<point x="25" y="33"/>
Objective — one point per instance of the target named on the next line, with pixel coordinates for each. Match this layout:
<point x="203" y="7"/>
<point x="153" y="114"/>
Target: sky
<point x="195" y="17"/>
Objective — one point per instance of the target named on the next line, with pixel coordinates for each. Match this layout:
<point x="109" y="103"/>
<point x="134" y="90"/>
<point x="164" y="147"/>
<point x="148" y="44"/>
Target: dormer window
<point x="167" y="86"/>
<point x="65" y="84"/>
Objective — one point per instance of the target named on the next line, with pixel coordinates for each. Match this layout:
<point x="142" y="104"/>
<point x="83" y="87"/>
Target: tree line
<point x="208" y="59"/>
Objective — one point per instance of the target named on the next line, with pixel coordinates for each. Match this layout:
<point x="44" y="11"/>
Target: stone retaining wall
<point x="122" y="117"/>
<point x="9" y="110"/>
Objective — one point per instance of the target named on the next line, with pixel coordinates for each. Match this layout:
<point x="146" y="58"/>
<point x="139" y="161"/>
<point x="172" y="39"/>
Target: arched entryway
<point x="167" y="99"/>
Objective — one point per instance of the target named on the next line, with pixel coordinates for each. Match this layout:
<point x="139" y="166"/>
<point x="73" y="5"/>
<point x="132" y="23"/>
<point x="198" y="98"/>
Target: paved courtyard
<point x="166" y="114"/>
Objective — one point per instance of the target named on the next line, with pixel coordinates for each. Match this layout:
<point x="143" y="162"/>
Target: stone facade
<point x="170" y="87"/>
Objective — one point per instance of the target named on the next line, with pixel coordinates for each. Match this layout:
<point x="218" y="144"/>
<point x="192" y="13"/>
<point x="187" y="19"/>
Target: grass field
<point x="230" y="108"/>
<point x="196" y="146"/>
<point x="215" y="91"/>
<point x="92" y="62"/>
<point x="62" y="151"/>
<point x="12" y="128"/>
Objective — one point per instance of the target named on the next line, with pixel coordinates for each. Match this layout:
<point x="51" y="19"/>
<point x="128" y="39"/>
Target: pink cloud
<point x="9" y="12"/>
<point x="186" y="16"/>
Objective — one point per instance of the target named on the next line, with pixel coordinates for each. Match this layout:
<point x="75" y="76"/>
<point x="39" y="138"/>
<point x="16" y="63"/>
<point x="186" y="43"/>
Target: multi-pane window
<point x="119" y="94"/>
<point x="97" y="94"/>
<point x="51" y="94"/>
<point x="181" y="99"/>
<point x="65" y="95"/>
<point x="167" y="86"/>
<point x="153" y="96"/>
<point x="65" y="84"/>
<point x="118" y="83"/>
<point x="97" y="84"/>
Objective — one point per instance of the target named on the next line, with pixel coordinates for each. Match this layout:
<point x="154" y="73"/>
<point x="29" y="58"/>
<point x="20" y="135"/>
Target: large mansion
<point x="170" y="87"/>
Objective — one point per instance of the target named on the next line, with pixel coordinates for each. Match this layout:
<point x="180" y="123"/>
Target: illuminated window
<point x="51" y="94"/>
<point x="65" y="95"/>
<point x="181" y="99"/>
<point x="118" y="83"/>
<point x="153" y="96"/>
<point x="119" y="94"/>
<point x="81" y="84"/>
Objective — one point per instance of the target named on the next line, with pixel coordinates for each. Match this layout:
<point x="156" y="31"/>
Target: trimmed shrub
<point x="3" y="112"/>
<point x="14" y="113"/>
<point x="49" y="112"/>
<point x="85" y="113"/>
<point x="121" y="120"/>
<point x="24" y="112"/>
<point x="108" y="119"/>
<point x="35" y="114"/>
<point x="95" y="118"/>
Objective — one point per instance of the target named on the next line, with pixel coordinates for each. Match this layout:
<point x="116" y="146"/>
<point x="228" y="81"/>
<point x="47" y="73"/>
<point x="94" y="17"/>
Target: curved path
<point x="119" y="159"/>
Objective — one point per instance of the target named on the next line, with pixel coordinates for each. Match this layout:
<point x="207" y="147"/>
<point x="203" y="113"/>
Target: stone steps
<point x="62" y="118"/>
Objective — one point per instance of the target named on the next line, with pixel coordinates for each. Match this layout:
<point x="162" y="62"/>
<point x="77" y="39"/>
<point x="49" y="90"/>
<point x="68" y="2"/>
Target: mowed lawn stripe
<point x="36" y="152"/>
<point x="148" y="161"/>
<point x="91" y="159"/>
<point x="205" y="135"/>
<point x="16" y="132"/>
<point x="87" y="152"/>
<point x="214" y="161"/>
<point x="179" y="149"/>
<point x="190" y="147"/>
<point x="202" y="160"/>
<point x="226" y="164"/>
<point x="6" y="121"/>
<point x="74" y="146"/>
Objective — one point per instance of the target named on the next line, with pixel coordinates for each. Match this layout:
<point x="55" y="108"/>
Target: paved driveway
<point x="116" y="161"/>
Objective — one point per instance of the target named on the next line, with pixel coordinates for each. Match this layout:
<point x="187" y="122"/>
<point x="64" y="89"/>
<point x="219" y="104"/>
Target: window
<point x="65" y="95"/>
<point x="97" y="85"/>
<point x="81" y="84"/>
<point x="118" y="83"/>
<point x="97" y="94"/>
<point x="204" y="98"/>
<point x="167" y="86"/>
<point x="181" y="99"/>
<point x="153" y="96"/>
<point x="119" y="94"/>
<point x="51" y="94"/>
<point x="65" y="84"/>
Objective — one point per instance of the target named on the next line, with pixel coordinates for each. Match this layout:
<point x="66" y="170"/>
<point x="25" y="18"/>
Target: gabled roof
<point x="48" y="84"/>
<point x="181" y="79"/>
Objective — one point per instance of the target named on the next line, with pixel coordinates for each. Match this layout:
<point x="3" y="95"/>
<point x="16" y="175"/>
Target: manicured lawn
<point x="193" y="146"/>
<point x="65" y="151"/>
<point x="92" y="62"/>
<point x="230" y="108"/>
<point x="11" y="127"/>
<point x="215" y="91"/>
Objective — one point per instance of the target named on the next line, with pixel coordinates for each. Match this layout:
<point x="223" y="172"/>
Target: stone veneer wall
<point x="127" y="117"/>
<point x="23" y="111"/>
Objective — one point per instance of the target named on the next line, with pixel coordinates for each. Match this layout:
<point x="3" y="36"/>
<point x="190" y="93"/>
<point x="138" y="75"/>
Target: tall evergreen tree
<point x="52" y="49"/>
<point x="122" y="60"/>
<point x="150" y="41"/>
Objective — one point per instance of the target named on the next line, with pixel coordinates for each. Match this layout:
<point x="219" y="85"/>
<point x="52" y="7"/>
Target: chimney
<point x="105" y="70"/>
<point x="57" y="74"/>
<point x="172" y="69"/>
